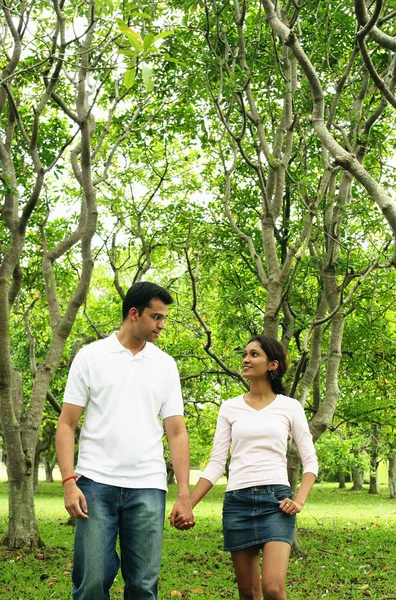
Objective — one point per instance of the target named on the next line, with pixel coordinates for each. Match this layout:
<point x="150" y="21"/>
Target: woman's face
<point x="255" y="362"/>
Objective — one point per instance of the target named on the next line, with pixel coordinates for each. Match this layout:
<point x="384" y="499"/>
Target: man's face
<point x="151" y="322"/>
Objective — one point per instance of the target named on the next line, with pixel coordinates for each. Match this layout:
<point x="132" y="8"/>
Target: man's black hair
<point x="140" y="295"/>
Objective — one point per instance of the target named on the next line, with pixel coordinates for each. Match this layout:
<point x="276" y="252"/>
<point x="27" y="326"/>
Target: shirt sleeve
<point x="303" y="438"/>
<point x="221" y="445"/>
<point x="77" y="388"/>
<point x="172" y="405"/>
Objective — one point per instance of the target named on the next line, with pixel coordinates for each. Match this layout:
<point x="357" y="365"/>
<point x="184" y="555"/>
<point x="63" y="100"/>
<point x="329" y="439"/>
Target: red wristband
<point x="70" y="477"/>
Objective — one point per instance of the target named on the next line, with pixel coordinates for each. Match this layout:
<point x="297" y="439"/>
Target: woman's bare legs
<point x="275" y="563"/>
<point x="274" y="571"/>
<point x="247" y="572"/>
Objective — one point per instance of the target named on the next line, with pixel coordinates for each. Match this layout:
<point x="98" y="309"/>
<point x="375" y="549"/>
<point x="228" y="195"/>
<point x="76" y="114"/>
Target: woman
<point x="259" y="511"/>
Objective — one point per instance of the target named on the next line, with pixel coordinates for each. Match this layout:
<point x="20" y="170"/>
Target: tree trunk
<point x="21" y="426"/>
<point x="36" y="489"/>
<point x="49" y="468"/>
<point x="293" y="465"/>
<point x="22" y="527"/>
<point x="357" y="479"/>
<point x="392" y="476"/>
<point x="170" y="474"/>
<point x="374" y="443"/>
<point x="341" y="480"/>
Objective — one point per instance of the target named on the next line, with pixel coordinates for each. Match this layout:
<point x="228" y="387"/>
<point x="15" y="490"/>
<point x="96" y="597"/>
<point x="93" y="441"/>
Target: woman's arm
<point x="200" y="490"/>
<point x="303" y="438"/>
<point x="291" y="507"/>
<point x="221" y="444"/>
<point x="307" y="481"/>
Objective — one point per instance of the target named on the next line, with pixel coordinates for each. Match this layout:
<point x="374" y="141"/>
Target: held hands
<point x="290" y="507"/>
<point x="75" y="502"/>
<point x="182" y="516"/>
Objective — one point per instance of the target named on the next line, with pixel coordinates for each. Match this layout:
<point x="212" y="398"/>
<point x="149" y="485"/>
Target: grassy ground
<point x="349" y="542"/>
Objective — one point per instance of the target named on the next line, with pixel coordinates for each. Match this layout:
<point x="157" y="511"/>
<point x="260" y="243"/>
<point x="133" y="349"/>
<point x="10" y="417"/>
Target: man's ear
<point x="133" y="313"/>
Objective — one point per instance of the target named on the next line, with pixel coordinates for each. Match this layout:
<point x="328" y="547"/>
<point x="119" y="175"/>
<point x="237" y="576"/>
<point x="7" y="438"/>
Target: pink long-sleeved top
<point x="258" y="440"/>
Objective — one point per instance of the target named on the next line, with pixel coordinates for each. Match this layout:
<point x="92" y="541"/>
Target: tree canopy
<point x="241" y="154"/>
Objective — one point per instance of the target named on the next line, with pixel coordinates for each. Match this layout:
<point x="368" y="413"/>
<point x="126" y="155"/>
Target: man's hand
<point x="182" y="516"/>
<point x="75" y="502"/>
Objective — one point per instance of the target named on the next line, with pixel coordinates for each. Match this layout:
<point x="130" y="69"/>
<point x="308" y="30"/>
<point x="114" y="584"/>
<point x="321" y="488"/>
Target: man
<point x="125" y="383"/>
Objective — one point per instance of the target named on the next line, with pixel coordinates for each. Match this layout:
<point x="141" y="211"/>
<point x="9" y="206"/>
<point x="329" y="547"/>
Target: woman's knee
<point x="274" y="590"/>
<point x="246" y="592"/>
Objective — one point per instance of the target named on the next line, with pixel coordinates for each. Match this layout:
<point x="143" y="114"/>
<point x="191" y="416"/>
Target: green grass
<point x="348" y="538"/>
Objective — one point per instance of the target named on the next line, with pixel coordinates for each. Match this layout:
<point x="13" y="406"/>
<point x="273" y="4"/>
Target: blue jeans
<point x="138" y="516"/>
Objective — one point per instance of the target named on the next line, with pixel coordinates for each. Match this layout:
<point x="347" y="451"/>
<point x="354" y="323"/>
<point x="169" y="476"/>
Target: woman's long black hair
<point x="274" y="351"/>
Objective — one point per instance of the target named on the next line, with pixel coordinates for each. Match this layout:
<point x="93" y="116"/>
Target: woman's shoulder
<point x="232" y="402"/>
<point x="292" y="403"/>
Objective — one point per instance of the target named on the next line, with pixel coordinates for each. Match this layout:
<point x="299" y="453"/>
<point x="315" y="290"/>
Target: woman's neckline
<point x="263" y="407"/>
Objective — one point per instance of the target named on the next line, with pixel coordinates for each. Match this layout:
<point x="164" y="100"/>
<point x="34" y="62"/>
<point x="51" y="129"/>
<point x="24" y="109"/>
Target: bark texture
<point x="374" y="460"/>
<point x="392" y="476"/>
<point x="357" y="479"/>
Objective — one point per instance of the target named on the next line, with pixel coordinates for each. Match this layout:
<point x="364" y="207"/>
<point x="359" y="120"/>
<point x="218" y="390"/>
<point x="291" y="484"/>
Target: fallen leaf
<point x="176" y="593"/>
<point x="198" y="591"/>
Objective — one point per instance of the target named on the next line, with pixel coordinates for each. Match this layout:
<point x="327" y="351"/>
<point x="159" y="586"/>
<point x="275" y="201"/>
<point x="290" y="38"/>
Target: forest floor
<point x="348" y="541"/>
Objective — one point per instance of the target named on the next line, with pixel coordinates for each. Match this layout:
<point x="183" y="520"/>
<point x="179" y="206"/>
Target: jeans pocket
<point x="282" y="491"/>
<point x="82" y="481"/>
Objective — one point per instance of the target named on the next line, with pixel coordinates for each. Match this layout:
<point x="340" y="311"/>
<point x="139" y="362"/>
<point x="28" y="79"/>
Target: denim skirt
<point x="252" y="517"/>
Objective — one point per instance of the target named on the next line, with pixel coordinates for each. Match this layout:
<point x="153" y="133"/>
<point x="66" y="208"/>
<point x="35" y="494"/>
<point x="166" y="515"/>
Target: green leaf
<point x="163" y="34"/>
<point x="143" y="15"/>
<point x="133" y="36"/>
<point x="147" y="74"/>
<point x="105" y="6"/>
<point x="129" y="78"/>
<point x="178" y="62"/>
<point x="129" y="53"/>
<point x="148" y="41"/>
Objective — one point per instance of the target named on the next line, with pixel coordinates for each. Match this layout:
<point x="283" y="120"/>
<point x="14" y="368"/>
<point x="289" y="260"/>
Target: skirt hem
<point x="260" y="543"/>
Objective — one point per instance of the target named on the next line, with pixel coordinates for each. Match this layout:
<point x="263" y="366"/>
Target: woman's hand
<point x="182" y="523"/>
<point x="290" y="507"/>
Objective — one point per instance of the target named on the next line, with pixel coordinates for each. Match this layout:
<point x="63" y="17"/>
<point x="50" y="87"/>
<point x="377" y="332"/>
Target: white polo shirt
<point x="124" y="395"/>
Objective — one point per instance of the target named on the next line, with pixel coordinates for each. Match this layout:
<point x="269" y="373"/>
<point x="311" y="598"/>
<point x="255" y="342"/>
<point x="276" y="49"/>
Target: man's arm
<point x="176" y="433"/>
<point x="75" y="502"/>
